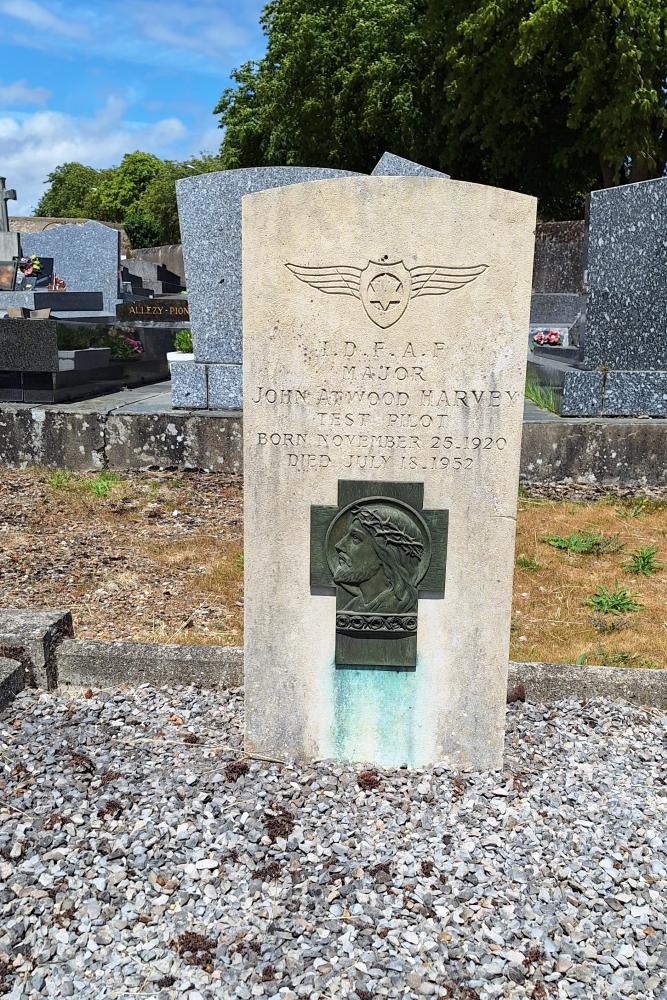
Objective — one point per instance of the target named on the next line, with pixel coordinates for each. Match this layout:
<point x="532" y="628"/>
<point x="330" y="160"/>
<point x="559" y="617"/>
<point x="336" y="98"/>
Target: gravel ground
<point x="141" y="855"/>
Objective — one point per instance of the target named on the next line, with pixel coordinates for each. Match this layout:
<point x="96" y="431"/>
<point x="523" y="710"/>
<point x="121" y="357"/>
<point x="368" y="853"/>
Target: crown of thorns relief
<point x="387" y="531"/>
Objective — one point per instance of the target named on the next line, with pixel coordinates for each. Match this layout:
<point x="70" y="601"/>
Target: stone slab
<point x="87" y="257"/>
<point x="89" y="664"/>
<point x="35" y="636"/>
<point x="209" y="210"/>
<point x="582" y="393"/>
<point x="390" y="165"/>
<point x="549" y="682"/>
<point x="12" y="681"/>
<point x="225" y="387"/>
<point x="559" y="257"/>
<point x="555" y="308"/>
<point x="28" y="345"/>
<point x="10" y="246"/>
<point x="189" y="390"/>
<point x="84" y="663"/>
<point x="16" y="300"/>
<point x="386" y="389"/>
<point x="627" y="289"/>
<point x="635" y="393"/>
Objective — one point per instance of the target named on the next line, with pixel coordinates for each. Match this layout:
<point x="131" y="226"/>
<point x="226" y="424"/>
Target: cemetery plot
<point x="111" y="548"/>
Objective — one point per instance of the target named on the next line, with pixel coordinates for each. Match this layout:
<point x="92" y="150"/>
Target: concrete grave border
<point x="37" y="650"/>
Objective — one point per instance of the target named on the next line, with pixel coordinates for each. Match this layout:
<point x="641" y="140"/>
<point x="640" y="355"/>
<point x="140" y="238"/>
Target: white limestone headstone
<point x="384" y="361"/>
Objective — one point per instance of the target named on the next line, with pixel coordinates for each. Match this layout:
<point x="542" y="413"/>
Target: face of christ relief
<point x="378" y="559"/>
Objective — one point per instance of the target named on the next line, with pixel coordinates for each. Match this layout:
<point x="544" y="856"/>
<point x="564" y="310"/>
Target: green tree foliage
<point x="142" y="230"/>
<point x="140" y="193"/>
<point x="551" y="97"/>
<point x="69" y="193"/>
<point x="339" y="83"/>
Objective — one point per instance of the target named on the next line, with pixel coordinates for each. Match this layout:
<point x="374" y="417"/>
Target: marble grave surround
<point x="362" y="301"/>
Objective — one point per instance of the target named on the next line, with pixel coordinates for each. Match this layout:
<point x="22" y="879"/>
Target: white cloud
<point x="42" y="18"/>
<point x="17" y="94"/>
<point x="199" y="36"/>
<point x="31" y="146"/>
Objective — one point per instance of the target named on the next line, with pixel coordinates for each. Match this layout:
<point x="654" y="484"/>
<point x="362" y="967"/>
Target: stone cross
<point x="381" y="550"/>
<point x="5" y="196"/>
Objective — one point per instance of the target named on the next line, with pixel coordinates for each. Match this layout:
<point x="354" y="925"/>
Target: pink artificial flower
<point x="539" y="338"/>
<point x="553" y="337"/>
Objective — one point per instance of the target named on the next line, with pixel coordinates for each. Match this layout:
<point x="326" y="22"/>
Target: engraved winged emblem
<point x="385" y="288"/>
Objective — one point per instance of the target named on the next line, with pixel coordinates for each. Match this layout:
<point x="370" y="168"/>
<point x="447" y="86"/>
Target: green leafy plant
<point x="636" y="508"/>
<point x="525" y="562"/>
<point x="584" y="543"/>
<point x="103" y="483"/>
<point x="183" y="341"/>
<point x="642" y="561"/>
<point x="616" y="601"/>
<point x="60" y="479"/>
<point x="543" y="396"/>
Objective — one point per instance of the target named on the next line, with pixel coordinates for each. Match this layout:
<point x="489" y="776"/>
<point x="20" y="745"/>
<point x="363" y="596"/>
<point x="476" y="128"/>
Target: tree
<point x="550" y="97"/>
<point x="553" y="96"/>
<point x="123" y="187"/>
<point x="140" y="193"/>
<point x="340" y="83"/>
<point x="142" y="230"/>
<point x="68" y="196"/>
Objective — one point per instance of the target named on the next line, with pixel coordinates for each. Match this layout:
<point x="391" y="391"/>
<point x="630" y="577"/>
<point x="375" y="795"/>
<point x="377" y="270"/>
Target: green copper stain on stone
<point x="374" y="715"/>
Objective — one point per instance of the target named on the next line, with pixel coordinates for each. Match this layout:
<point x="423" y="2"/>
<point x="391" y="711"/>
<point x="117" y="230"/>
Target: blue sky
<point x="91" y="81"/>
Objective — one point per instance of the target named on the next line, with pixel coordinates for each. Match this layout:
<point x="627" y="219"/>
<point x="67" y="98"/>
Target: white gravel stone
<point x="544" y="880"/>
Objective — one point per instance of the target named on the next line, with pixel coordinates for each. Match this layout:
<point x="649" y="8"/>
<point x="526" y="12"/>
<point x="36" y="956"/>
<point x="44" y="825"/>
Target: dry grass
<point x="158" y="558"/>
<point x="550" y="620"/>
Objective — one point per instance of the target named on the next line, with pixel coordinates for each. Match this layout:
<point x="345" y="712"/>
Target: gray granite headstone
<point x="390" y="165"/>
<point x="86" y="256"/>
<point x="9" y="246"/>
<point x="626" y="315"/>
<point x="28" y="345"/>
<point x="209" y="210"/>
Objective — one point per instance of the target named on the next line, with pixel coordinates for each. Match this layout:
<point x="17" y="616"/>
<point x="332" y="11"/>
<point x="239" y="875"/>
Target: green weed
<point x="642" y="561"/>
<point x="103" y="483"/>
<point x="584" y="543"/>
<point x="621" y="658"/>
<point x="525" y="562"/>
<point x="543" y="396"/>
<point x="59" y="480"/>
<point x="635" y="508"/>
<point x="613" y="602"/>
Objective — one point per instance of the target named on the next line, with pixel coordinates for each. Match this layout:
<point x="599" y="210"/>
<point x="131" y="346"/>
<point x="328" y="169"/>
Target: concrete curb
<point x="32" y="637"/>
<point x="88" y="663"/>
<point x="625" y="452"/>
<point x="12" y="681"/>
<point x="545" y="682"/>
<point x="84" y="663"/>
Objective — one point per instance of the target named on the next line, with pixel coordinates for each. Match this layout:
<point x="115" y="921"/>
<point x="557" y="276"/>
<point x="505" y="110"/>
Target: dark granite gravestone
<point x="28" y="345"/>
<point x="624" y="347"/>
<point x="86" y="256"/>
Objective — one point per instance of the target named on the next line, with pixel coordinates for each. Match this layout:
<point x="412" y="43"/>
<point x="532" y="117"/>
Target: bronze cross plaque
<point x="380" y="551"/>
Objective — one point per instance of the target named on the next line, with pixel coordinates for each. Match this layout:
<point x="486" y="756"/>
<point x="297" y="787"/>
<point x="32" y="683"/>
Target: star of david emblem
<point x="385" y="288"/>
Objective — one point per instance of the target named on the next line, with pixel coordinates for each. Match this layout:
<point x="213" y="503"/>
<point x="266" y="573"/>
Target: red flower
<point x="553" y="337"/>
